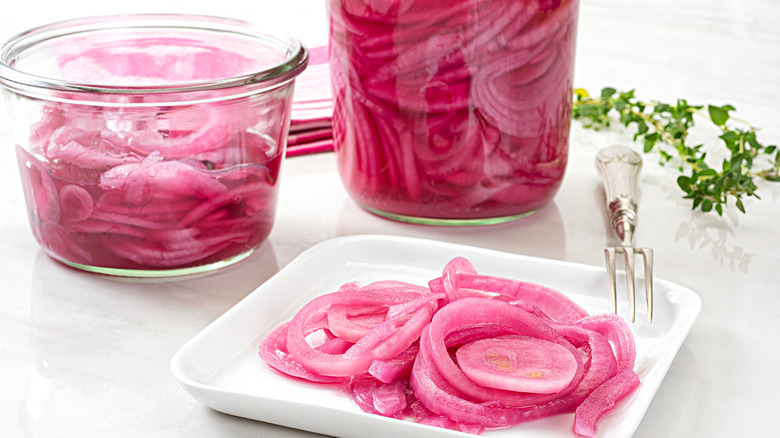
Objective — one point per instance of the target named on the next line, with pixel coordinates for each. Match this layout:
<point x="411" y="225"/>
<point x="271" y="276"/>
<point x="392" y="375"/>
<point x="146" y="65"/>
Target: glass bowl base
<point x="447" y="221"/>
<point x="158" y="273"/>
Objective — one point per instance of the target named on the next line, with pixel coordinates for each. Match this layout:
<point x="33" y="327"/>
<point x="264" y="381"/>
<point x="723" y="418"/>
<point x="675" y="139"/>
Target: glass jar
<point x="150" y="145"/>
<point x="452" y="112"/>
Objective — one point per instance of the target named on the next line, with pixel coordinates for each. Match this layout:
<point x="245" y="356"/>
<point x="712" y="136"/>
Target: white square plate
<point x="220" y="366"/>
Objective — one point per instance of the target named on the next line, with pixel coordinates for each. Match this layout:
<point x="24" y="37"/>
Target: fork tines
<point x="629" y="253"/>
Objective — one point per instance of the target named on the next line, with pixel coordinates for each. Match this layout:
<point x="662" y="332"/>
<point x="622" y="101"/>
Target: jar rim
<point x="297" y="54"/>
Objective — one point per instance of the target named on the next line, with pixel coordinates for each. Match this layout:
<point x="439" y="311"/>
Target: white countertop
<point x="87" y="355"/>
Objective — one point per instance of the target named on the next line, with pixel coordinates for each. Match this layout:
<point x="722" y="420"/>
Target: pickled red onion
<point x="384" y="341"/>
<point x="496" y="318"/>
<point x="439" y="357"/>
<point x="273" y="350"/>
<point x="400" y="366"/>
<point x="518" y="363"/>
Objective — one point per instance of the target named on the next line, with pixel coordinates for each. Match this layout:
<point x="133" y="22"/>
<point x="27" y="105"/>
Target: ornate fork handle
<point x="619" y="168"/>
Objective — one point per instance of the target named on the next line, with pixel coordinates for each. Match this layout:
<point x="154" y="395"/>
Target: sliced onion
<point x="273" y="350"/>
<point x="373" y="396"/>
<point x="382" y="342"/>
<point x="76" y="204"/>
<point x="138" y="181"/>
<point x="390" y="398"/>
<point x="460" y="280"/>
<point x="503" y="319"/>
<point x="352" y="323"/>
<point x="398" y="367"/>
<point x="518" y="363"/>
<point x="602" y="401"/>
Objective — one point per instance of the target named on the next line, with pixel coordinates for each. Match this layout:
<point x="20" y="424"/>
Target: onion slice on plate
<point x="518" y="363"/>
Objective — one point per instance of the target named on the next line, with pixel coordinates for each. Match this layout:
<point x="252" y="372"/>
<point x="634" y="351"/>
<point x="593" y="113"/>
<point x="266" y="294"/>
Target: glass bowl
<point x="150" y="145"/>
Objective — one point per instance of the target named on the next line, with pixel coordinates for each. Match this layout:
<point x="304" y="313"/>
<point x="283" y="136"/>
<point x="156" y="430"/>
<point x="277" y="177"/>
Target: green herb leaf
<point x="685" y="183"/>
<point x="718" y="114"/>
<point x="740" y="206"/>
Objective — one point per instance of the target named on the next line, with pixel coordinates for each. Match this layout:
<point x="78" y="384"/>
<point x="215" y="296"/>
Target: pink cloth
<point x="312" y="108"/>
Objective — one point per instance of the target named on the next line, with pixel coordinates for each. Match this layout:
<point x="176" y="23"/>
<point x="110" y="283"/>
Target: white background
<point x="83" y="355"/>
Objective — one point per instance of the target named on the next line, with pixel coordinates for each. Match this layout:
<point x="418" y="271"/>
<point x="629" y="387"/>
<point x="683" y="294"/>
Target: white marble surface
<point x="85" y="355"/>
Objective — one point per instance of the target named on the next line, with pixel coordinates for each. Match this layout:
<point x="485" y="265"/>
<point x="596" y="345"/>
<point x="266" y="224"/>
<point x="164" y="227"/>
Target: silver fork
<point x="619" y="169"/>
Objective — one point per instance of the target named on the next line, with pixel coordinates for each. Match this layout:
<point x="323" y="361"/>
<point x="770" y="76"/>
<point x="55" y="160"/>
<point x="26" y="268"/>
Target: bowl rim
<point x="295" y="62"/>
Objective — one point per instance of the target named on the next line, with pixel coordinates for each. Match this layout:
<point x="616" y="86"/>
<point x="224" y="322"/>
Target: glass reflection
<point x="102" y="345"/>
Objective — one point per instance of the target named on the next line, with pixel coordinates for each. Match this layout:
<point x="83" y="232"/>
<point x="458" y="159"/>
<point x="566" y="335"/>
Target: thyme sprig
<point x="665" y="127"/>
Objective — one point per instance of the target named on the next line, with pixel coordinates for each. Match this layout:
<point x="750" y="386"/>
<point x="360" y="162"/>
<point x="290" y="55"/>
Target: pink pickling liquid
<point x="452" y="110"/>
<point x="145" y="219"/>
